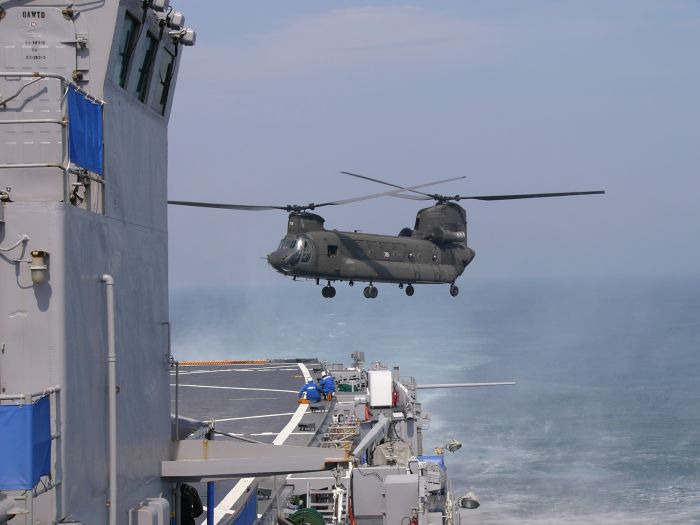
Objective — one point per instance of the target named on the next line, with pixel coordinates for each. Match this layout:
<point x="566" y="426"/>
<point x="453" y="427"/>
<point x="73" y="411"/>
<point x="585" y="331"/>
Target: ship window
<point x="145" y="61"/>
<point x="127" y="41"/>
<point x="165" y="75"/>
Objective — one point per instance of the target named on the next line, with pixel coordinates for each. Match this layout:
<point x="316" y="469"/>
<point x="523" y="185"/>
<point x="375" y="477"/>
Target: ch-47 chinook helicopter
<point x="435" y="251"/>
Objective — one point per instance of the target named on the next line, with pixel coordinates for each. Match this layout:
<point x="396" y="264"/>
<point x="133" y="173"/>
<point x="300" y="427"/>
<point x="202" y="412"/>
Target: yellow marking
<point x="227" y="362"/>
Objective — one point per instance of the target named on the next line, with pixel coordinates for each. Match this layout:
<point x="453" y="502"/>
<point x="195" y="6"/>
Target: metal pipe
<point x="211" y="502"/>
<point x="377" y="433"/>
<point x="462" y="385"/>
<point x="108" y="280"/>
<point x="177" y="401"/>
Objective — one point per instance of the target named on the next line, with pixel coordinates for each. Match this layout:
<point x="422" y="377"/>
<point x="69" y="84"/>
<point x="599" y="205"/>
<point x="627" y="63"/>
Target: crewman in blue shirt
<point x="309" y="393"/>
<point x="327" y="385"/>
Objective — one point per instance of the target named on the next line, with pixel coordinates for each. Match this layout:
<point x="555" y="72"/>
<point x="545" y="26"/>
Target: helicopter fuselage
<point x="434" y="252"/>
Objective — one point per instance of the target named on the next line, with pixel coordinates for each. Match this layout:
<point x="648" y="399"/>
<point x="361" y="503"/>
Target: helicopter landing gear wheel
<point x="454" y="290"/>
<point x="410" y="290"/>
<point x="328" y="292"/>
<point x="365" y="292"/>
<point x="373" y="292"/>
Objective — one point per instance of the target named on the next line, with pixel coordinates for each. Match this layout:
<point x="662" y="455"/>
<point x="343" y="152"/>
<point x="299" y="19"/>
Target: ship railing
<point x="83" y="177"/>
<point x="47" y="480"/>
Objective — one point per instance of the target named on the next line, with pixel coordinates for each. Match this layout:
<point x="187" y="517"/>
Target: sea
<point x="602" y="427"/>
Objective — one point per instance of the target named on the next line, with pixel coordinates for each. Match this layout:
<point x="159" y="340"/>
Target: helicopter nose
<point x="274" y="259"/>
<point x="283" y="260"/>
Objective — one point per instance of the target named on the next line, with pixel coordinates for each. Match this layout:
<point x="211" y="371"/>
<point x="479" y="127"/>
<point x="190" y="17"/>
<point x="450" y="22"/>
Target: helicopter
<point x="434" y="251"/>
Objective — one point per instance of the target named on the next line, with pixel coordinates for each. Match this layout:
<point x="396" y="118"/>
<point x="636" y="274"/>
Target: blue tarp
<point x="25" y="444"/>
<point x="249" y="513"/>
<point x="85" y="144"/>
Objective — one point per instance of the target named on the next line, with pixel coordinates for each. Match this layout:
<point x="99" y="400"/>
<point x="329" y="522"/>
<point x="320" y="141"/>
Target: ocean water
<point x="603" y="425"/>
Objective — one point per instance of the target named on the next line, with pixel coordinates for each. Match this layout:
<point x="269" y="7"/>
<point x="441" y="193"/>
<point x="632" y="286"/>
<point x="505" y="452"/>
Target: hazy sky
<point x="277" y="97"/>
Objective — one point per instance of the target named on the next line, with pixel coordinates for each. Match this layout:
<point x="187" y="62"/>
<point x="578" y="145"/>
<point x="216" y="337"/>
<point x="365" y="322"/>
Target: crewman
<point x="309" y="393"/>
<point x="327" y="385"/>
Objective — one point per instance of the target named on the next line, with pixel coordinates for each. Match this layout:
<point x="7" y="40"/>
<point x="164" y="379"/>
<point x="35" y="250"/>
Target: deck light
<point x="159" y="5"/>
<point x="185" y="36"/>
<point x="38" y="266"/>
<point x="469" y="501"/>
<point x="175" y="20"/>
<point x="453" y="445"/>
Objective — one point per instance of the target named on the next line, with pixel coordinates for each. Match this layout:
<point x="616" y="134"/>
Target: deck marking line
<point x="240" y="388"/>
<point x="224" y="419"/>
<point x="239" y="488"/>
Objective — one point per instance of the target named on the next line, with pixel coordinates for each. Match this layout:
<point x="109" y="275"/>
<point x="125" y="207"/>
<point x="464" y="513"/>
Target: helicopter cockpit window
<point x="303" y="245"/>
<point x="287" y="243"/>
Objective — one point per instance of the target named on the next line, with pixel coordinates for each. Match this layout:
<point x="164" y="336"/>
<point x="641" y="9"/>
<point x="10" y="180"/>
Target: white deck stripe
<point x="239" y="488"/>
<point x="224" y="419"/>
<point x="242" y="388"/>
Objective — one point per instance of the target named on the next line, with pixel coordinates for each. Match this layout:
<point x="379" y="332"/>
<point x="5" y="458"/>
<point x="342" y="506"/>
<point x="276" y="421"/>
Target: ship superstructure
<point x="86" y="430"/>
<point x="85" y="95"/>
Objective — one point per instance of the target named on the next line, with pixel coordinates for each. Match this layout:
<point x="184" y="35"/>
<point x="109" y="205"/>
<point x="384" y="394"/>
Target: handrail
<point x="63" y="122"/>
<point x="32" y="395"/>
<point x="36" y="75"/>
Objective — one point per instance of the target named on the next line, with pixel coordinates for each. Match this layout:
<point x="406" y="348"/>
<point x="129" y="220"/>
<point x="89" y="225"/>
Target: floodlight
<point x="468" y="501"/>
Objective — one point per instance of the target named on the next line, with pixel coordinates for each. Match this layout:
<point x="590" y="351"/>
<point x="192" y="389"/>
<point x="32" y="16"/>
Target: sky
<point x="276" y="98"/>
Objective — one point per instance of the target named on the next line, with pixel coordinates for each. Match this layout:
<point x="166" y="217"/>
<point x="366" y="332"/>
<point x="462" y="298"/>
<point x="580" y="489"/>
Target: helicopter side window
<point x="332" y="250"/>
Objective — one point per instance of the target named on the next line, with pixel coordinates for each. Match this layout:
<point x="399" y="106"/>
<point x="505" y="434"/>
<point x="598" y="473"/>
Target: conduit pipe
<point x="108" y="280"/>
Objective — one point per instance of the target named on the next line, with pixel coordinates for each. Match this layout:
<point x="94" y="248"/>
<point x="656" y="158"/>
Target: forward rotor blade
<point x="227" y="206"/>
<point x="529" y="195"/>
<point x="401" y="187"/>
<point x="414" y="197"/>
<point x="392" y="193"/>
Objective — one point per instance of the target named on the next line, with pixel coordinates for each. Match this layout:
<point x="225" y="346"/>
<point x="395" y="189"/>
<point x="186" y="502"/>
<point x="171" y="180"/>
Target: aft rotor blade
<point x="402" y="187"/>
<point x="528" y="195"/>
<point x="227" y="206"/>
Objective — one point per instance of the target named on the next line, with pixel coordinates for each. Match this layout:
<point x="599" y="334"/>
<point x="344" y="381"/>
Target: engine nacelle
<point x="442" y="236"/>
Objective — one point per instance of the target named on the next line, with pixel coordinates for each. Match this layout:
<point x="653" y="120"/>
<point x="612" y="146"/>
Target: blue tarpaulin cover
<point x="249" y="513"/>
<point x="85" y="145"/>
<point x="25" y="444"/>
